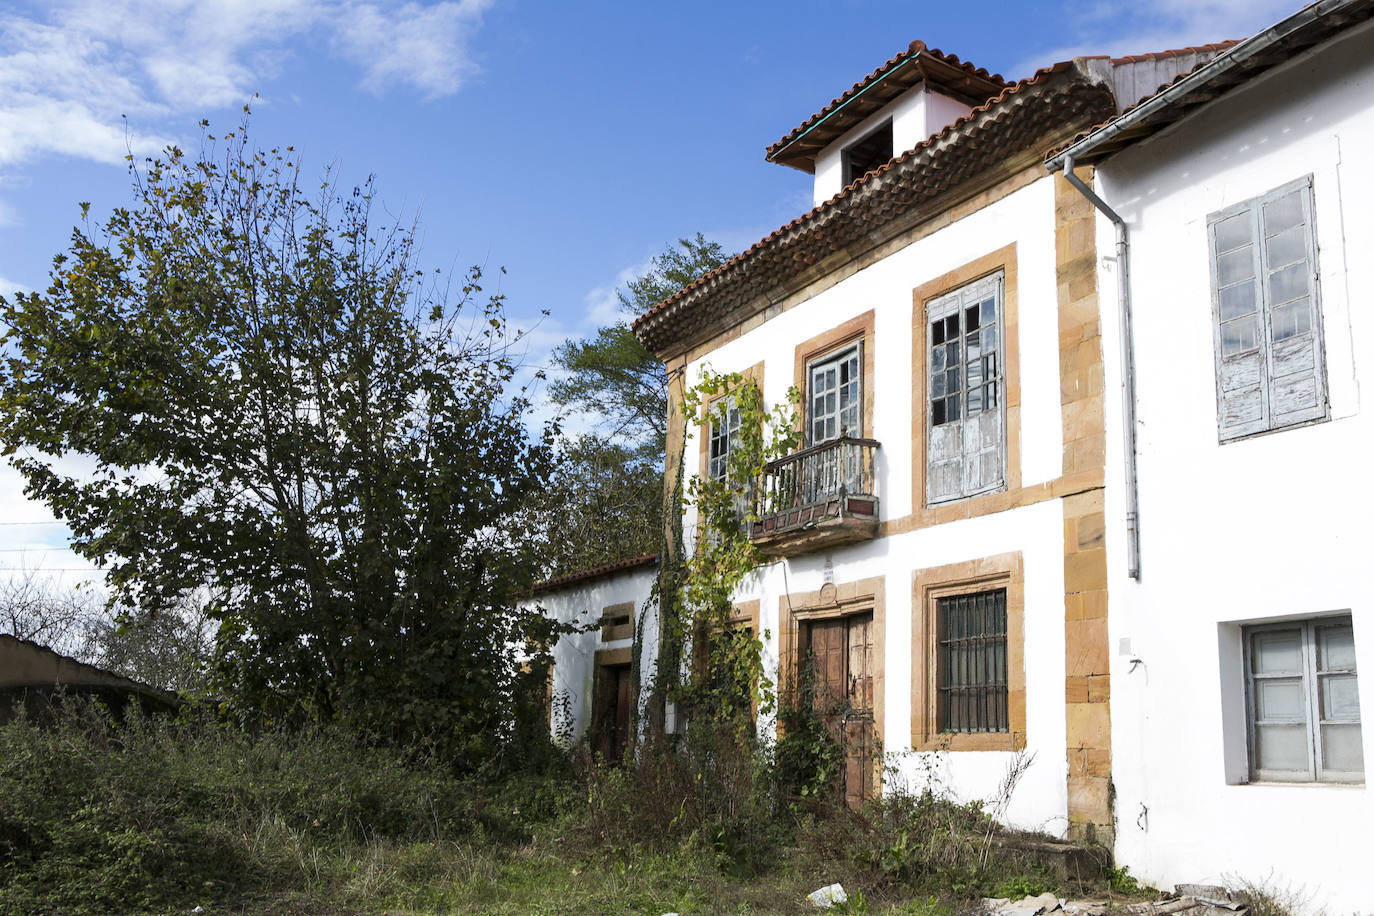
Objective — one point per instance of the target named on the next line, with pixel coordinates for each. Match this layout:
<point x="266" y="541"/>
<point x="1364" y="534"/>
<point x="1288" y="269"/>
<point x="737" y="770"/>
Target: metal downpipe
<point x="1128" y="421"/>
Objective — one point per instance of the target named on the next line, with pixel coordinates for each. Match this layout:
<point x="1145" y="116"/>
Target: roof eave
<point x="1140" y="121"/>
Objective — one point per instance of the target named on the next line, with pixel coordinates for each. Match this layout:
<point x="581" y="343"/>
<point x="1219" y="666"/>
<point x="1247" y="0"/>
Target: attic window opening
<point x="871" y="152"/>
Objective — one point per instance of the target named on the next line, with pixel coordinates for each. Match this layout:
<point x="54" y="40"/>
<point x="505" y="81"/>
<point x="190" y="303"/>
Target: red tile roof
<point x="550" y="585"/>
<point x="961" y="79"/>
<point x="1213" y="48"/>
<point x="959" y="150"/>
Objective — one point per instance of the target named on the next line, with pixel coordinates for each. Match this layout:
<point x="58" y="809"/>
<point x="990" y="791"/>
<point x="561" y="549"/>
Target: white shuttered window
<point x="966" y="442"/>
<point x="1302" y="691"/>
<point x="1266" y="313"/>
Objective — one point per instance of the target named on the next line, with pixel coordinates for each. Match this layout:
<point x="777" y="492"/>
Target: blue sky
<point x="567" y="142"/>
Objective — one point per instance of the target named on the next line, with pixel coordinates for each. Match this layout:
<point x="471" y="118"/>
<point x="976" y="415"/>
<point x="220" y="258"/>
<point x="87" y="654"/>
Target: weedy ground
<point x="99" y="816"/>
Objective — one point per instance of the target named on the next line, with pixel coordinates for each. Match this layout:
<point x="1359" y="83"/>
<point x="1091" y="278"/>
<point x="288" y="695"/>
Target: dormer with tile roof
<point x="891" y="110"/>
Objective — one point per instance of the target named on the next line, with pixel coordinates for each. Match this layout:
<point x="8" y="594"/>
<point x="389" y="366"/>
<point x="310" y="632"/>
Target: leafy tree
<point x="609" y="489"/>
<point x="280" y="412"/>
<point x="612" y="376"/>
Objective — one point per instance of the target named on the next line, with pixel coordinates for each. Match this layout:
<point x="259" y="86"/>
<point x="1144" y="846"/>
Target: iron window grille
<point x="971" y="687"/>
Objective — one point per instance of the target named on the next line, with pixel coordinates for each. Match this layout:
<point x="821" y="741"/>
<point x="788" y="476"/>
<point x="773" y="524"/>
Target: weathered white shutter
<point x="1238" y="322"/>
<point x="1297" y="378"/>
<point x="965" y="399"/>
<point x="944" y="379"/>
<point x="1266" y="319"/>
<point x="984" y="439"/>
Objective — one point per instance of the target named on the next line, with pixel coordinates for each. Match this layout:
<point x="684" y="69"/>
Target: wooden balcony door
<point x="841" y="649"/>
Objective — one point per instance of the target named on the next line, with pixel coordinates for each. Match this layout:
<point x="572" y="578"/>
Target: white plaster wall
<point x="1254" y="530"/>
<point x="574" y="655"/>
<point x="916" y="114"/>
<point x="1025" y="218"/>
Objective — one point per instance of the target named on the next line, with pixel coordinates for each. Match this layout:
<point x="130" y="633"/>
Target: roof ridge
<point x="820" y="209"/>
<point x="914" y="49"/>
<point x="1217" y="46"/>
<point x="593" y="572"/>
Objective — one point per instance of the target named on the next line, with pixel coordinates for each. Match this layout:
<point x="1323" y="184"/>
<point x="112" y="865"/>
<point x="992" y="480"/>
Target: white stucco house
<point x="1244" y="196"/>
<point x="1019" y="524"/>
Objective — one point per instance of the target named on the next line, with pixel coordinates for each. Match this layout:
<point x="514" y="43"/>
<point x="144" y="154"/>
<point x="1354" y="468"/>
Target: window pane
<point x="1277" y="652"/>
<point x="1288" y="283"/>
<point x="1335" y="648"/>
<point x="1237" y="300"/>
<point x="1341" y="749"/>
<point x="1291" y="320"/>
<point x="1234" y="231"/>
<point x="989" y="309"/>
<point x="1283" y="213"/>
<point x="989" y="337"/>
<point x="1281" y="747"/>
<point x="1340" y="696"/>
<point x="1236" y="266"/>
<point x="1286" y="247"/>
<point x="971" y="318"/>
<point x="1239" y="335"/>
<point x="1280" y="699"/>
<point x="937" y="332"/>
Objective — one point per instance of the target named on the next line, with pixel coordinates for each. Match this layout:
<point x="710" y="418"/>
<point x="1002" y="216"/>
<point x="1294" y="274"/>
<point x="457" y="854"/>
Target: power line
<point x="48" y="569"/>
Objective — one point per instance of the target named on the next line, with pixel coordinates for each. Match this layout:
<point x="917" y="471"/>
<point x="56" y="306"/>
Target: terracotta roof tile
<point x="976" y="76"/>
<point x="1213" y="48"/>
<point x="549" y="585"/>
<point x="822" y="210"/>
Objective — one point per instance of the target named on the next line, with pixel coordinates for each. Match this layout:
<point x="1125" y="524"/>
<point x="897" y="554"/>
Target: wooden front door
<point x="613" y="710"/>
<point x="841" y="649"/>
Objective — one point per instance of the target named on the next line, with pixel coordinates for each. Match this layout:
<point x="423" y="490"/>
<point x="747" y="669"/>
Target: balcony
<point x="820" y="497"/>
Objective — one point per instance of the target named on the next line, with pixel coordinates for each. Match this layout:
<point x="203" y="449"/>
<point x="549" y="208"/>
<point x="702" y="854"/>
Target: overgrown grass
<point x="161" y="816"/>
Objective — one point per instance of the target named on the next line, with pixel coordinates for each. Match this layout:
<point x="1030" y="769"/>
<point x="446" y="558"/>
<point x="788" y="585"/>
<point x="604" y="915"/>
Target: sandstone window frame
<point x="856" y="331"/>
<point x="707" y="418"/>
<point x="929" y="585"/>
<point x="1003" y="260"/>
<point x="617" y="621"/>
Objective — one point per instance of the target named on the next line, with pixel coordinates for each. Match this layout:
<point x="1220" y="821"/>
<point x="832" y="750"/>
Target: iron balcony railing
<point x="817" y="475"/>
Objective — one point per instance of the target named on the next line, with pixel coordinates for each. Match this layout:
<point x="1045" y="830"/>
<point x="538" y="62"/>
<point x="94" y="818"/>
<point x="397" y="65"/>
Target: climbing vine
<point x="725" y="680"/>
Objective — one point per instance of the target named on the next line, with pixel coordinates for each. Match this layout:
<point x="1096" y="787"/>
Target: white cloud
<point x="603" y="303"/>
<point x="1103" y="28"/>
<point x="424" y="46"/>
<point x="9" y="287"/>
<point x="71" y="75"/>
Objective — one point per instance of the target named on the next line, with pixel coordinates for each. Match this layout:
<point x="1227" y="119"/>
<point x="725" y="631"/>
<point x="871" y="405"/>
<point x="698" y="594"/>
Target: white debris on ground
<point x="828" y="896"/>
<point x="1191" y="900"/>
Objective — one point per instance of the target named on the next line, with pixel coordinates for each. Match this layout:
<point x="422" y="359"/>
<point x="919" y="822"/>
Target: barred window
<point x="971" y="678"/>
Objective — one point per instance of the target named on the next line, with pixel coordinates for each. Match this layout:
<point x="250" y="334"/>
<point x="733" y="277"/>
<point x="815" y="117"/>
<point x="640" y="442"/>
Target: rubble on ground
<point x="1189" y="900"/>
